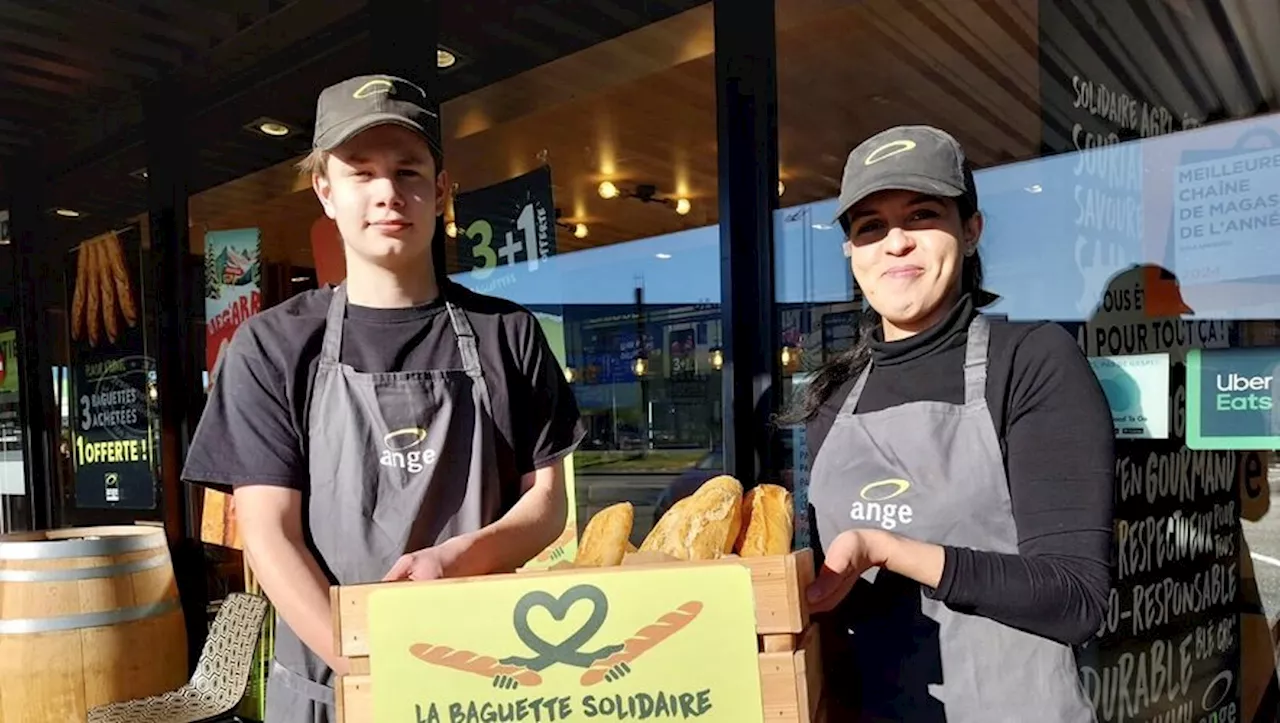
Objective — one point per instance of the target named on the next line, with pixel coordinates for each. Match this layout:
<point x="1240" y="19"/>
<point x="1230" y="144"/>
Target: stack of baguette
<point x="717" y="520"/>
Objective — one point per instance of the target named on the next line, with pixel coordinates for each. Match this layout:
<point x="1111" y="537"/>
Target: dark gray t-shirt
<point x="254" y="426"/>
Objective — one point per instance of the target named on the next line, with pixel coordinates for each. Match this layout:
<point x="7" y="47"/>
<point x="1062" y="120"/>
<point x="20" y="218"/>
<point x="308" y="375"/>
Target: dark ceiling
<point x="72" y="75"/>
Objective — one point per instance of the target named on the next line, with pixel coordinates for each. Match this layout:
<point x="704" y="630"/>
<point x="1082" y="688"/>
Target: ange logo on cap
<point x="889" y="150"/>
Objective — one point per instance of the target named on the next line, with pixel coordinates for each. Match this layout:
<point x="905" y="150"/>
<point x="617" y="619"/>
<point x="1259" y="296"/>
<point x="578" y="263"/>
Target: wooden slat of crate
<point x="778" y="582"/>
<point x="790" y="686"/>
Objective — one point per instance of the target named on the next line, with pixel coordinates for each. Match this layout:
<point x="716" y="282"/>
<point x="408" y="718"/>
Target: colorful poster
<point x="232" y="287"/>
<point x="12" y="472"/>
<point x="8" y="361"/>
<point x="504" y="226"/>
<point x="114" y="423"/>
<point x="659" y="643"/>
<point x="1232" y="399"/>
<point x="1137" y="389"/>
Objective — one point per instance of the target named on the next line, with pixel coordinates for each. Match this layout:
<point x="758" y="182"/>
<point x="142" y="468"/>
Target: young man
<point x="369" y="431"/>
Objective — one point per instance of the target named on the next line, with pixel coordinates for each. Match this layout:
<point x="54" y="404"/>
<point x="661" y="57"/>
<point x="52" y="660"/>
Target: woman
<point x="963" y="470"/>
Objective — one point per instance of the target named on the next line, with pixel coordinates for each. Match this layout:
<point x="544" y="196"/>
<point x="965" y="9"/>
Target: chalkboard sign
<point x="1169" y="647"/>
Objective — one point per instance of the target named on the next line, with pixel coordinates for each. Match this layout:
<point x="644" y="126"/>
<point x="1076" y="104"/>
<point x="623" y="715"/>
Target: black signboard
<point x="113" y="437"/>
<point x="507" y="228"/>
<point x="1169" y="646"/>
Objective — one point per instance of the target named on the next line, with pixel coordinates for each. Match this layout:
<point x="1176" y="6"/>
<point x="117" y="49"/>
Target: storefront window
<point x="627" y="285"/>
<point x="1125" y="157"/>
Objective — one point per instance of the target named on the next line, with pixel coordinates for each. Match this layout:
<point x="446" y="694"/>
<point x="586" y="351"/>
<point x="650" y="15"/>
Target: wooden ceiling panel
<point x="641" y="110"/>
<point x="633" y="103"/>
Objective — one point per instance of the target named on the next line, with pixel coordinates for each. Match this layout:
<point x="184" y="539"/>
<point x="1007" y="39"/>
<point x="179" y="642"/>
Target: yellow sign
<point x="565" y="547"/>
<point x="654" y="644"/>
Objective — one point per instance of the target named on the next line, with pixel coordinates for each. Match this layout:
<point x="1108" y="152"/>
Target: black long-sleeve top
<point x="1055" y="429"/>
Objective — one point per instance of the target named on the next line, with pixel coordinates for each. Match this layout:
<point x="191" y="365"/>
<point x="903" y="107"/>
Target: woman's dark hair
<point x="849" y="364"/>
<point x="439" y="261"/>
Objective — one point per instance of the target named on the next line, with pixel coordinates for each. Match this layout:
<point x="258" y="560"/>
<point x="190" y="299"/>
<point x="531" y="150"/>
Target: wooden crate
<point x="790" y="661"/>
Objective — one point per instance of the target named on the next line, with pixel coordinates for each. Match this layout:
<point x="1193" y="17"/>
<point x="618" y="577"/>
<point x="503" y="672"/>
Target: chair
<point x="221" y="677"/>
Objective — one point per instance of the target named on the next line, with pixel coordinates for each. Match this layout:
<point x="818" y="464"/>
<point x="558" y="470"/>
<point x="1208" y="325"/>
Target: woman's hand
<point x="856" y="551"/>
<point x="852" y="553"/>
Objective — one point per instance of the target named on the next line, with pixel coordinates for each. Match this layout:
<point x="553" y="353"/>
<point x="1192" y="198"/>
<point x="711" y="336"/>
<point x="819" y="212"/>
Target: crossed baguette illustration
<point x="609" y="668"/>
<point x="102" y="290"/>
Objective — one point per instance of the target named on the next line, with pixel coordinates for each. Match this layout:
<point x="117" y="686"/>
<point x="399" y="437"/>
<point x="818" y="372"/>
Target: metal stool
<point x="220" y="679"/>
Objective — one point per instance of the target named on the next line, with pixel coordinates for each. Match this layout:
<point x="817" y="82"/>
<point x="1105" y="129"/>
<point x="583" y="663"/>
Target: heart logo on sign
<point x="568" y="651"/>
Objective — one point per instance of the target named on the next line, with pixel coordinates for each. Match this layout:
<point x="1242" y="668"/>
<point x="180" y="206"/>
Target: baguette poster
<point x="112" y="376"/>
<point x="232" y="287"/>
<point x="661" y="643"/>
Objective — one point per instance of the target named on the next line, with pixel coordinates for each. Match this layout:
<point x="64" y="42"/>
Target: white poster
<point x="1137" y="389"/>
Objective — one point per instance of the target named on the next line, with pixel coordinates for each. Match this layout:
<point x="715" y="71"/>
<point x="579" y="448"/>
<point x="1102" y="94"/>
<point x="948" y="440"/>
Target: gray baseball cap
<point x="365" y="101"/>
<point x="910" y="158"/>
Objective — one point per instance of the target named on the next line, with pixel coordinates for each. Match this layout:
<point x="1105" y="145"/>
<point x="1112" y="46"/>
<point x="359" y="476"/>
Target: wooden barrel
<point x="88" y="616"/>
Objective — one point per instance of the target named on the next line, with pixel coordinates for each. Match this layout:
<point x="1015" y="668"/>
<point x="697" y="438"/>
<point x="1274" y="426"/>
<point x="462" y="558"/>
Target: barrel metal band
<point x="98" y="547"/>
<point x="86" y="620"/>
<point x="84" y="573"/>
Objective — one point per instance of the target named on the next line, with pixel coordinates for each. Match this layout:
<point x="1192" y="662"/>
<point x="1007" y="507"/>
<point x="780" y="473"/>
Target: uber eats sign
<point x="1232" y="399"/>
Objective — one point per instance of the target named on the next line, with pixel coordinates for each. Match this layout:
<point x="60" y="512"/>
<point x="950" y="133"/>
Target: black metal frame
<point x="31" y="264"/>
<point x="747" y="145"/>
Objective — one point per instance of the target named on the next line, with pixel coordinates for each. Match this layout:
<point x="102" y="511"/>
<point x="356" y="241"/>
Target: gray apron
<point x="933" y="472"/>
<point x="398" y="462"/>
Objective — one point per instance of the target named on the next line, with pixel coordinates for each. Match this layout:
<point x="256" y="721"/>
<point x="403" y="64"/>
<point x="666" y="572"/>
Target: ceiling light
<point x="300" y="279"/>
<point x="608" y="190"/>
<point x="445" y="58"/>
<point x="140" y="174"/>
<point x="269" y="127"/>
<point x="580" y="230"/>
<point x="664" y="257"/>
<point x="683" y="206"/>
<point x="272" y="128"/>
<point x="67" y="212"/>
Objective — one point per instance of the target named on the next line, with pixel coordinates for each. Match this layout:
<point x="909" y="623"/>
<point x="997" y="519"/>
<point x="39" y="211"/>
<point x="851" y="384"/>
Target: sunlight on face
<point x="382" y="191"/>
<point x="906" y="250"/>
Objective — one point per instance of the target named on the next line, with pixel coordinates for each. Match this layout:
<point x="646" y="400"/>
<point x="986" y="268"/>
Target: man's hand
<point x="431" y="563"/>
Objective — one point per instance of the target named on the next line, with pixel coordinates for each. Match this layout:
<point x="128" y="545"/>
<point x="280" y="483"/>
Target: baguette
<point x="645" y="639"/>
<point x="109" y="320"/>
<point x="604" y="541"/>
<point x="80" y="297"/>
<point x="768" y="522"/>
<point x="93" y="307"/>
<point x="470" y="662"/>
<point x="120" y="276"/>
<point x="702" y="526"/>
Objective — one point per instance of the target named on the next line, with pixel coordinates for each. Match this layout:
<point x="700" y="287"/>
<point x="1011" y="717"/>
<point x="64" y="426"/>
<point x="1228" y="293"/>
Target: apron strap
<point x="466" y="340"/>
<point x="975" y="361"/>
<point x="851" y="401"/>
<point x="332" y="349"/>
<point x="300" y="685"/>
